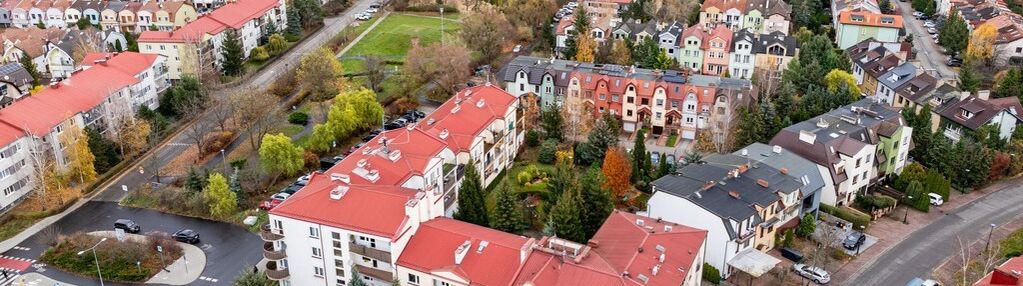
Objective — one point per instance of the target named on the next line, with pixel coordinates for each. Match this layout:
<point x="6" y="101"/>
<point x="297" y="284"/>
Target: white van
<point x="936" y="199"/>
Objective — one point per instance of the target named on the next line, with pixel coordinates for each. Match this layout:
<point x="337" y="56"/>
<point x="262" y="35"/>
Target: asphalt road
<point x="927" y="248"/>
<point x="928" y="53"/>
<point x="221" y="242"/>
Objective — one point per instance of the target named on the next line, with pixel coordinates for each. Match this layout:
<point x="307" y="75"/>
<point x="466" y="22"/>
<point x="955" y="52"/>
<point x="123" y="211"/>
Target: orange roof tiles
<point x="471" y="117"/>
<point x="417" y="147"/>
<point x="233" y="15"/>
<point x="867" y="18"/>
<point x="432" y="249"/>
<point x="1006" y="274"/>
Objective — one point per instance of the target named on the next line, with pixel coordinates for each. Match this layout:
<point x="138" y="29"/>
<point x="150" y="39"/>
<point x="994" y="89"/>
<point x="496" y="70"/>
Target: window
<point x="314" y="232"/>
<point x="440" y="283"/>
<point x="630" y="99"/>
<point x="660" y="102"/>
<point x="317" y="253"/>
<point x="628" y="112"/>
<point x="413" y="279"/>
<point x="318" y="271"/>
<point x="1019" y="50"/>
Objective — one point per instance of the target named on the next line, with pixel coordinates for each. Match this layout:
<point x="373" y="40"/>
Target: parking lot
<point x="837" y="236"/>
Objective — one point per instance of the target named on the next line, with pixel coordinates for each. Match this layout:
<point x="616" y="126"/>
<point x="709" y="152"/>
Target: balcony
<point x="269" y="234"/>
<point x="375" y="273"/>
<point x="276" y="273"/>
<point x="270" y="254"/>
<point x="370" y="252"/>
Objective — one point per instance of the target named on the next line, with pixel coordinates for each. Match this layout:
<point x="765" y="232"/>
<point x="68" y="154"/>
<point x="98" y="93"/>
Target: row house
<point x="601" y="30"/>
<point x="100" y="96"/>
<point x="121" y="16"/>
<point x="15" y="82"/>
<point x="363" y="211"/>
<point x="201" y="40"/>
<point x="761" y="16"/>
<point x="839" y="6"/>
<point x="854" y="146"/>
<point x="741" y="203"/>
<point x="798" y="167"/>
<point x="966" y="113"/>
<point x="772" y="54"/>
<point x="51" y="49"/>
<point x="665" y="102"/>
<point x="855" y="26"/>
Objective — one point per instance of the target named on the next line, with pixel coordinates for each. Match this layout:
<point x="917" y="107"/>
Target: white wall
<point x="678" y="210"/>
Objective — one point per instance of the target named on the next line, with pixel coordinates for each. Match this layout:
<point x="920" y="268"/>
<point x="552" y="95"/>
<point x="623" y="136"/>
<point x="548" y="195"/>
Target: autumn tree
<point x="85" y="42"/>
<point x="80" y="159"/>
<point x="280" y="156"/>
<point x="531" y="14"/>
<point x="375" y="71"/>
<point x="439" y="66"/>
<point x="471" y="198"/>
<point x="321" y="74"/>
<point x="486" y="32"/>
<point x="507" y="215"/>
<point x="258" y="110"/>
<point x="133" y="136"/>
<point x="586" y="48"/>
<point x="618" y="172"/>
<point x="276" y="44"/>
<point x="354" y="110"/>
<point x="837" y="79"/>
<point x="321" y="139"/>
<point x="620" y="53"/>
<point x="981" y="43"/>
<point x="221" y="201"/>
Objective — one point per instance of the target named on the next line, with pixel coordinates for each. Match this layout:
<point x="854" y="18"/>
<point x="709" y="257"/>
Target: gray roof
<point x="743" y="35"/>
<point x="536" y="67"/>
<point x="776" y="38"/>
<point x="898" y="76"/>
<point x="117" y="6"/>
<point x="710" y="186"/>
<point x="798" y="167"/>
<point x="82" y="5"/>
<point x="15" y="74"/>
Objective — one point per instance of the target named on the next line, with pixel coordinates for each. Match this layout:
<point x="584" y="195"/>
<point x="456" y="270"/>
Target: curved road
<point x="927" y="248"/>
<point x="229" y="249"/>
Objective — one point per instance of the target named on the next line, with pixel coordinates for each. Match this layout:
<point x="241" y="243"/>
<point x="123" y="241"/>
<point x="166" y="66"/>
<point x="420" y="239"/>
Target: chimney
<point x="963" y="95"/>
<point x="733" y="194"/>
<point x="807" y="136"/>
<point x="784" y="171"/>
<point x="744" y="152"/>
<point x="984" y="94"/>
<point x="776" y="149"/>
<point x="762" y="182"/>
<point x="593" y="243"/>
<point x="338" y="192"/>
<point x="461" y="251"/>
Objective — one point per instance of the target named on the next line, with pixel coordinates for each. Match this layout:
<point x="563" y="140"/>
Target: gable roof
<point x="982" y="110"/>
<point x="867" y="18"/>
<point x="790" y="43"/>
<point x="897" y="77"/>
<point x="232" y="15"/>
<point x="467" y="114"/>
<point x="619" y="238"/>
<point x="490" y="259"/>
<point x="780" y="158"/>
<point x="16" y="75"/>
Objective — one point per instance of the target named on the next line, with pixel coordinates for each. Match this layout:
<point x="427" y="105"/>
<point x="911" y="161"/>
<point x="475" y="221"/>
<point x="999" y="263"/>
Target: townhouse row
<point x="665" y="102"/>
<point x="51" y="50"/>
<point x="197" y="47"/>
<point x="859" y="20"/>
<point x="108" y="90"/>
<point x="120" y="16"/>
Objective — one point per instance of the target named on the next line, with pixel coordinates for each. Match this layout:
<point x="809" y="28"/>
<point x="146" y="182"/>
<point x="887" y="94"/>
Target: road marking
<point x="21" y="248"/>
<point x="210" y="279"/>
<point x="18" y="258"/>
<point x="12" y="275"/>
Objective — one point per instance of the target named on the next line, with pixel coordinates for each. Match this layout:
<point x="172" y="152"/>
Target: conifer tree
<point x="507" y="215"/>
<point x="566" y="217"/>
<point x="597" y="202"/>
<point x="471" y="199"/>
<point x="639" y="157"/>
<point x="233" y="54"/>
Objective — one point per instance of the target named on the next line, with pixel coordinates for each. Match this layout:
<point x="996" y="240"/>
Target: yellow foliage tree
<point x="982" y="41"/>
<point x="321" y="74"/>
<point x="836" y="78"/>
<point x="134" y="136"/>
<point x="618" y="172"/>
<point x="80" y="158"/>
<point x="585" y="48"/>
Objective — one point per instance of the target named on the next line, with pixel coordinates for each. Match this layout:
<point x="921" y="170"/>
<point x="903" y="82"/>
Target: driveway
<point x="929" y="55"/>
<point x="229" y="249"/>
<point x="924" y="250"/>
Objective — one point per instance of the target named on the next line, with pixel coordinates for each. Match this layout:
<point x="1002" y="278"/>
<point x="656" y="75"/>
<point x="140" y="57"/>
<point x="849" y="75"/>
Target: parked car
<point x="368" y="138"/>
<point x="791" y="254"/>
<point x="395" y="124"/>
<point x="127" y="225"/>
<point x="953" y="62"/>
<point x="517" y="48"/>
<point x="291" y="189"/>
<point x="932" y="31"/>
<point x="816" y="274"/>
<point x="921" y="282"/>
<point x="371" y="10"/>
<point x="917" y="14"/>
<point x="187" y="236"/>
<point x="572" y="4"/>
<point x="375" y="5"/>
<point x="362" y="17"/>
<point x="854" y="240"/>
<point x="303" y="180"/>
<point x="671" y="159"/>
<point x="418" y="114"/>
<point x="929" y="24"/>
<point x="936" y="199"/>
<point x="655" y="158"/>
<point x="274" y="201"/>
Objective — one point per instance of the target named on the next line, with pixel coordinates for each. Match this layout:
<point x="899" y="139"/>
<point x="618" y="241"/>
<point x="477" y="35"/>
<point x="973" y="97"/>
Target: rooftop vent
<point x="657" y="267"/>
<point x="643" y="278"/>
<point x="776" y="149"/>
<point x="822" y="123"/>
<point x="762" y="182"/>
<point x="784" y="171"/>
<point x="480" y="103"/>
<point x="373" y="175"/>
<point x="483" y="245"/>
<point x="361" y="163"/>
<point x="667" y="228"/>
<point x="639" y="222"/>
<point x="338" y="192"/>
<point x="733" y="194"/>
<point x="340" y="177"/>
<point x="394" y="155"/>
<point x="431" y="121"/>
<point x="744" y="152"/>
<point x="468" y="92"/>
<point x="660" y="248"/>
<point x="461" y="251"/>
<point x="443" y="134"/>
<point x="455" y="109"/>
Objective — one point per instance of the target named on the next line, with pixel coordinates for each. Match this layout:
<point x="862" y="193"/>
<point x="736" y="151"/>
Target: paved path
<point x="928" y="53"/>
<point x="364" y="33"/>
<point x="33" y="279"/>
<point x="924" y="250"/>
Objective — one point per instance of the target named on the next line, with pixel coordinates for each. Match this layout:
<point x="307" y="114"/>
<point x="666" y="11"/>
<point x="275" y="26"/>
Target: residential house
<point x="740" y="204"/>
<point x="5" y="13"/>
<point x="728" y="12"/>
<point x="858" y="25"/>
<point x="55" y="13"/>
<point x="967" y="113"/>
<point x="364" y="210"/>
<point x="767" y="16"/>
<point x="742" y="58"/>
<point x="59" y="57"/>
<point x="876" y="57"/>
<point x="32" y="42"/>
<point x="110" y="16"/>
<point x="773" y="53"/>
<point x="88" y="9"/>
<point x="854" y="146"/>
<point x="636" y="31"/>
<point x="100" y="97"/>
<point x="1009" y="273"/>
<point x="1008" y="44"/>
<point x="692" y="46"/>
<point x="206" y="6"/>
<point x="893" y="81"/>
<point x="610" y="9"/>
<point x="15" y="82"/>
<point x="916" y="93"/>
<point x="668" y="39"/>
<point x="206" y="34"/>
<point x="718" y="43"/>
<point x="128" y="17"/>
<point x="793" y="165"/>
<point x="839" y="6"/>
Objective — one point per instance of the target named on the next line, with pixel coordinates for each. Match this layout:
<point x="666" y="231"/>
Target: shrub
<point x="711" y="274"/>
<point x="259" y="54"/>
<point x="298" y="117"/>
<point x="219" y="141"/>
<point x="116" y="259"/>
<point x="532" y="138"/>
<point x="872" y="202"/>
<point x="839" y="254"/>
<point x="857" y="218"/>
<point x="548" y="152"/>
<point x="789" y="238"/>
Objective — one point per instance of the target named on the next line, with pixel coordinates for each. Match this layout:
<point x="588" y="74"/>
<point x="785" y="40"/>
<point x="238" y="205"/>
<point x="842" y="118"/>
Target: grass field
<point x="392" y="38"/>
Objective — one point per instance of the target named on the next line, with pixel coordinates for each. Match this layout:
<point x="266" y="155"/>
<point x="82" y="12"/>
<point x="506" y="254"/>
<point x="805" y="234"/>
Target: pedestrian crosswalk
<point x="10" y="277"/>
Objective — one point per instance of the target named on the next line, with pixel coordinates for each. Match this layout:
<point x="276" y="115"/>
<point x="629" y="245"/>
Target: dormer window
<point x="857" y="18"/>
<point x="966" y="114"/>
<point x="887" y="20"/>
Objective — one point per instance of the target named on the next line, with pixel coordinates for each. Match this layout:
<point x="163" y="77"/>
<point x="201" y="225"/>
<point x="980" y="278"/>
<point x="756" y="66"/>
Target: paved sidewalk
<point x="36" y="279"/>
<point x="364" y="33"/>
<point x="10" y="243"/>
<point x="891" y="230"/>
<point x="183" y="271"/>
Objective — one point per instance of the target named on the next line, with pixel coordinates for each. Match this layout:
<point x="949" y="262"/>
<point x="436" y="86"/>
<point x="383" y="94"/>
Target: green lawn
<point x="392" y="38"/>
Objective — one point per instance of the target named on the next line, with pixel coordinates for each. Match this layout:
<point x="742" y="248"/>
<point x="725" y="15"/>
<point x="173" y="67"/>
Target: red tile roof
<point x="471" y="116"/>
<point x="416" y="148"/>
<point x="1006" y="274"/>
<point x="868" y="18"/>
<point x="233" y="15"/>
<point x="373" y="209"/>
<point x="39" y="113"/>
<point x="432" y="249"/>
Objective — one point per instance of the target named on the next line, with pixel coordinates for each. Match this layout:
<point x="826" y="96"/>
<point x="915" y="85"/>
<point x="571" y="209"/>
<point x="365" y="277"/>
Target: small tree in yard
<point x="321" y="74"/>
<point x="236" y="187"/>
<point x="30" y="67"/>
<point x="374" y="66"/>
<point x="639" y="156"/>
<point x="567" y="218"/>
<point x="194" y="182"/>
<point x="807" y="225"/>
<point x="596" y="200"/>
<point x="507" y="215"/>
<point x="249" y="278"/>
<point x="471" y="199"/>
<point x="356" y="278"/>
<point x="548" y="151"/>
<point x="280" y="156"/>
<point x="321" y="139"/>
<point x="80" y="165"/>
<point x="618" y="174"/>
<point x="711" y="274"/>
<point x="920" y="200"/>
<point x="552" y="124"/>
<point x="233" y="54"/>
<point x="218" y="196"/>
<point x="276" y="44"/>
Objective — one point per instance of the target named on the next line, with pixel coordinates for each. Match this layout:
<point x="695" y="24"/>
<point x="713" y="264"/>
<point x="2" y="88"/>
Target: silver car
<point x="815" y="274"/>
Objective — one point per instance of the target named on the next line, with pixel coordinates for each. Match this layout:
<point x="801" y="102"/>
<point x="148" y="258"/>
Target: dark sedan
<point x="187" y="236"/>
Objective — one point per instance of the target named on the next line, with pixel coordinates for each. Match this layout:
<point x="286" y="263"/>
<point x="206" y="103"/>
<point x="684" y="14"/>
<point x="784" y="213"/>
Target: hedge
<point x="711" y="274"/>
<point x="857" y="218"/>
<point x="298" y="117"/>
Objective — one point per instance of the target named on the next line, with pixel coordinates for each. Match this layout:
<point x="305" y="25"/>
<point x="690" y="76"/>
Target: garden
<point x="392" y="38"/>
<point x="132" y="260"/>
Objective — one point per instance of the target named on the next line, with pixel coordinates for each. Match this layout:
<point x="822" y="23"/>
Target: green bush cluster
<point x="857" y="218"/>
<point x="532" y="138"/>
<point x="116" y="259"/>
<point x="298" y="117"/>
<point x="548" y="152"/>
<point x="711" y="274"/>
<point x="871" y="202"/>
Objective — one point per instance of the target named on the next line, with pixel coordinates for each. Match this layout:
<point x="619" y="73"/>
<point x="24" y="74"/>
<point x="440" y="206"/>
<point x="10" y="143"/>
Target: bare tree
<point x="86" y="42"/>
<point x="375" y="72"/>
<point x="259" y="110"/>
<point x="200" y="127"/>
<point x="444" y="66"/>
<point x="222" y="112"/>
<point x="486" y="32"/>
<point x="197" y="58"/>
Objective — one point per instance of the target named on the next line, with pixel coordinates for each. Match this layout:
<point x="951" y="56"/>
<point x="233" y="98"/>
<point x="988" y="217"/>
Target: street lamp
<point x="223" y="160"/>
<point x="906" y="216"/>
<point x="93" y="249"/>
<point x="988" y="243"/>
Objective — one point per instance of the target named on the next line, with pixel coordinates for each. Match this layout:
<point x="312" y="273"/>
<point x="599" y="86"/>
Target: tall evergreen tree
<point x="30" y="67"/>
<point x="563" y="180"/>
<point x="955" y="34"/>
<point x="662" y="168"/>
<point x="567" y="219"/>
<point x="236" y="186"/>
<point x="552" y="123"/>
<point x="639" y="157"/>
<point x="294" y="29"/>
<point x="969" y="80"/>
<point x="507" y="215"/>
<point x="597" y="202"/>
<point x="233" y="54"/>
<point x="752" y="128"/>
<point x="471" y="199"/>
<point x="1011" y="84"/>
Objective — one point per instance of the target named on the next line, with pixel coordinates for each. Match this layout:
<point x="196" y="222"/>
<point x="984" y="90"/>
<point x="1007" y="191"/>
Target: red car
<point x="274" y="201"/>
